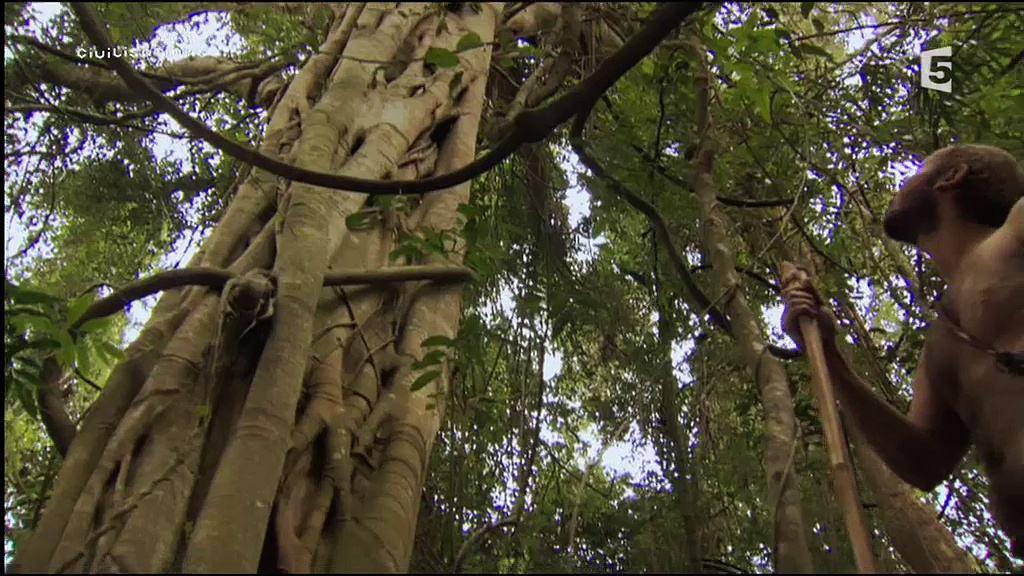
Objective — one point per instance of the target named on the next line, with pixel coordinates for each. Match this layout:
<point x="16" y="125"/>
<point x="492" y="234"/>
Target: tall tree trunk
<point x="283" y="443"/>
<point x="913" y="527"/>
<point x="780" y="426"/>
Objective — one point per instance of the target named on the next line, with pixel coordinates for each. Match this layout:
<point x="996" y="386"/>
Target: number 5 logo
<point x="937" y="69"/>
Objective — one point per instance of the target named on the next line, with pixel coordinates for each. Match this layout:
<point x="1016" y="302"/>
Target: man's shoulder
<point x="1015" y="221"/>
<point x="1014" y="225"/>
<point x="1008" y="240"/>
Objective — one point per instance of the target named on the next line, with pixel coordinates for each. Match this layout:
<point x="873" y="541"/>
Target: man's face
<point x="913" y="211"/>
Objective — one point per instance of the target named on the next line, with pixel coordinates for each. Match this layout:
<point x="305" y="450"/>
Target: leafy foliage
<point x="577" y="318"/>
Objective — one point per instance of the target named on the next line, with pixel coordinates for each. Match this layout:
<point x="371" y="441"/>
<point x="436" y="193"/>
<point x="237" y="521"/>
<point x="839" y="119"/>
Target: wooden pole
<point x="843" y="479"/>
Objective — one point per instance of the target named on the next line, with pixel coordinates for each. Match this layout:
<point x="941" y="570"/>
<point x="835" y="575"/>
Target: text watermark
<point x="131" y="52"/>
<point x="937" y="69"/>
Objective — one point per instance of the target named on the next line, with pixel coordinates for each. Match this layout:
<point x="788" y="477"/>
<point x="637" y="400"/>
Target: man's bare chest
<point x="987" y="297"/>
<point x="981" y="315"/>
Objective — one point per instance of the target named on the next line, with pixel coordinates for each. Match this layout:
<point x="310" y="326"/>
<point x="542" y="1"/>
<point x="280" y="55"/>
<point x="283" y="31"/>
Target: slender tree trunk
<point x="679" y="468"/>
<point x="780" y="426"/>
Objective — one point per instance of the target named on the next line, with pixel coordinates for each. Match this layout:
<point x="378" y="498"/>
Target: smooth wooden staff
<point x="843" y="479"/>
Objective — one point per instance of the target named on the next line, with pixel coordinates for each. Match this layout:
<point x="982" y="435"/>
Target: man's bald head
<point x="982" y="182"/>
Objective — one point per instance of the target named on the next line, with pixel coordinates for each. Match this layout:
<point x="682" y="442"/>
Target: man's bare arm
<point x="923" y="447"/>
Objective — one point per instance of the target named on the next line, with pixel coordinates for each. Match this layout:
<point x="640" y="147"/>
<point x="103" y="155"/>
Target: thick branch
<point x="528" y="126"/>
<point x="58" y="424"/>
<point x="216" y="278"/>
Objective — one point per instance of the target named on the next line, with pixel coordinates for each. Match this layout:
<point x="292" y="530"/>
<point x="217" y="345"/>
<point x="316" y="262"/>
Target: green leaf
<point x="718" y="44"/>
<point x="28" y="401"/>
<point x="763" y="104"/>
<point x="746" y="72"/>
<point x="424" y="379"/>
<point x="361" y="220"/>
<point x="29" y="296"/>
<point x="66" y="353"/>
<point x="32" y="363"/>
<point x="97" y="324"/>
<point x="506" y="39"/>
<point x="765" y="41"/>
<point x="110" y="351"/>
<point x="432" y="358"/>
<point x="78" y="306"/>
<point x="26" y="309"/>
<point x="42" y="324"/>
<point x="83" y="359"/>
<point x="202" y="410"/>
<point x="819" y="26"/>
<point x="441" y="57"/>
<point x="25" y="378"/>
<point x="432" y="241"/>
<point x="468" y="42"/>
<point x="805" y="8"/>
<point x="470" y="211"/>
<point x="782" y="34"/>
<point x="811" y="50"/>
<point x="531" y="51"/>
<point x="398" y="203"/>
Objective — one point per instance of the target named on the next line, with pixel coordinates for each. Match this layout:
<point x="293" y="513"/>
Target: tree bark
<point x="791" y="550"/>
<point x="915" y="531"/>
<point x="264" y="447"/>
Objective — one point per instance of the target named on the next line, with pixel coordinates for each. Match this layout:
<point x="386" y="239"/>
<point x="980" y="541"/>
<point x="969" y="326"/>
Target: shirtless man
<point x="965" y="209"/>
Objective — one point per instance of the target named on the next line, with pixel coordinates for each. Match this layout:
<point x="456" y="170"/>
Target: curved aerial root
<point x="118" y="517"/>
<point x="179" y="365"/>
<point x="293" y="557"/>
<point x="323" y="406"/>
<point x="322" y="411"/>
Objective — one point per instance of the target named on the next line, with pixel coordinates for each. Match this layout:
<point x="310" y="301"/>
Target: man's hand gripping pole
<point x="842" y="471"/>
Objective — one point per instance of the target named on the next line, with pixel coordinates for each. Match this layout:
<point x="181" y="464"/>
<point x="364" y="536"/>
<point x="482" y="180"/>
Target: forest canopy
<point x="471" y="287"/>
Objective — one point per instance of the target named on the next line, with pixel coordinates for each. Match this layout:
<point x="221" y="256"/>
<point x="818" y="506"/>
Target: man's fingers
<point x="802" y="304"/>
<point x="796" y="293"/>
<point x="802" y="299"/>
<point x="797" y="308"/>
<point x="805" y="290"/>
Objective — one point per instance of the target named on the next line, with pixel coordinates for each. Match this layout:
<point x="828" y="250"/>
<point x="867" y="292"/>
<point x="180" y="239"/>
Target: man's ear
<point x="953" y="178"/>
